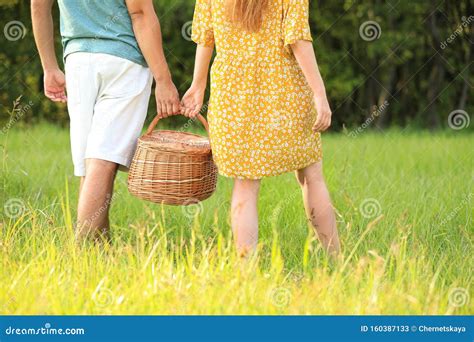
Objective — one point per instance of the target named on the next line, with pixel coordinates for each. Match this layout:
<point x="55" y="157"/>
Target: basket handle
<point x="155" y="121"/>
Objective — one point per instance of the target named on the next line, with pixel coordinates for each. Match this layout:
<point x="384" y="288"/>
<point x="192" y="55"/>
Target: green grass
<point x="411" y="255"/>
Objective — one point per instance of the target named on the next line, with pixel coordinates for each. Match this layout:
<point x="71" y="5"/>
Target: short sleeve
<point x="296" y="21"/>
<point x="203" y="32"/>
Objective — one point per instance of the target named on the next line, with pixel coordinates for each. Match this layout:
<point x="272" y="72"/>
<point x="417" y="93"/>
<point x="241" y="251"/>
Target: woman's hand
<point x="304" y="54"/>
<point x="55" y="85"/>
<point x="323" y="121"/>
<point x="192" y="101"/>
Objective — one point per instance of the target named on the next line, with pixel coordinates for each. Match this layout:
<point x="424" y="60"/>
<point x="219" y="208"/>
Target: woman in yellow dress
<point x="267" y="108"/>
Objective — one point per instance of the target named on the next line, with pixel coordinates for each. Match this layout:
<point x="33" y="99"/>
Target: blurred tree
<point x="413" y="56"/>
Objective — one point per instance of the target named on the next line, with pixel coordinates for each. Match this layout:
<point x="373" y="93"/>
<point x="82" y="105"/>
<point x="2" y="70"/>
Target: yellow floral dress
<point x="261" y="109"/>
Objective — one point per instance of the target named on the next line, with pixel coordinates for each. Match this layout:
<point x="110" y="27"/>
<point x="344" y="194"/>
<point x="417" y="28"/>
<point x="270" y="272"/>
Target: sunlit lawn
<point x="405" y="211"/>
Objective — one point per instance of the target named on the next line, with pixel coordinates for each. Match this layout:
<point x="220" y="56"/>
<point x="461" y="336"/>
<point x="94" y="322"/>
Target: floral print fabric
<point x="261" y="109"/>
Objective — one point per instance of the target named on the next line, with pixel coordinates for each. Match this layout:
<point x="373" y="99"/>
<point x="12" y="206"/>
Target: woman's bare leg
<point x="319" y="209"/>
<point x="244" y="215"/>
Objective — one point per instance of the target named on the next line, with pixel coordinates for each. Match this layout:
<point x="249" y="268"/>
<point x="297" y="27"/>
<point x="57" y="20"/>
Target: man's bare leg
<point x="95" y="198"/>
<point x="81" y="185"/>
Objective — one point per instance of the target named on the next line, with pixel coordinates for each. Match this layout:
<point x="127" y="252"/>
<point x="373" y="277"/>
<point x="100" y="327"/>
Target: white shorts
<point x="107" y="101"/>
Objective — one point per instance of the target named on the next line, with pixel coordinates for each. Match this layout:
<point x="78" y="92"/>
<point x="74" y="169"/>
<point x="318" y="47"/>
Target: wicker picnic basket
<point x="171" y="167"/>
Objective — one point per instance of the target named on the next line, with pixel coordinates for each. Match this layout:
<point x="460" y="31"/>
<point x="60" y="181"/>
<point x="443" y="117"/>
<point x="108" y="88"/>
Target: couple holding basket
<point x="267" y="107"/>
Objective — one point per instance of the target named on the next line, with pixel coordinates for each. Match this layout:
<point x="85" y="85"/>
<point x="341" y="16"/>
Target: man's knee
<point x="100" y="166"/>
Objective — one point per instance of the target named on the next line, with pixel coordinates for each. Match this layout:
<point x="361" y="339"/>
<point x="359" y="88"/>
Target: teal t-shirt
<point x="98" y="26"/>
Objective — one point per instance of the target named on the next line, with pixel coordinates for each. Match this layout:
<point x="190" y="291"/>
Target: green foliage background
<point x="406" y="66"/>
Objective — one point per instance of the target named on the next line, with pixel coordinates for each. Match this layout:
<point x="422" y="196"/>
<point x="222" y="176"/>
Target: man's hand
<point x="55" y="85"/>
<point x="323" y="121"/>
<point x="146" y="27"/>
<point x="42" y="20"/>
<point x="167" y="99"/>
<point x="192" y="102"/>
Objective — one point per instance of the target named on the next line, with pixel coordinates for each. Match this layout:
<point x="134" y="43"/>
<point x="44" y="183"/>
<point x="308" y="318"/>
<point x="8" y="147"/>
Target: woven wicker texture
<point x="171" y="167"/>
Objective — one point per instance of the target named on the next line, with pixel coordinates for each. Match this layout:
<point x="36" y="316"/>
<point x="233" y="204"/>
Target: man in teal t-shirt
<point x="112" y="51"/>
<point x="100" y="27"/>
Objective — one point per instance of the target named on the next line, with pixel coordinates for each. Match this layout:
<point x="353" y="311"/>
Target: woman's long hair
<point x="247" y="13"/>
